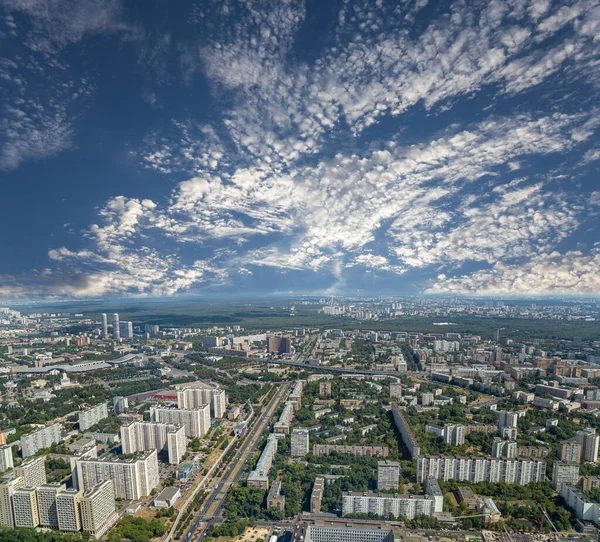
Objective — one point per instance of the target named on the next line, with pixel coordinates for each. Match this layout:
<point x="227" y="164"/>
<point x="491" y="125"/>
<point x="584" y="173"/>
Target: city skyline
<point x="339" y="147"/>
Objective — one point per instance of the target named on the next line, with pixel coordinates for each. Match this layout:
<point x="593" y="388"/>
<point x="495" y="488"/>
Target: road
<point x="213" y="506"/>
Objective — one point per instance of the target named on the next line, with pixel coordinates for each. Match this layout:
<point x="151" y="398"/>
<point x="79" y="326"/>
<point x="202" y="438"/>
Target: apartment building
<point x="388" y="475"/>
<point x="7" y="490"/>
<point x="316" y="496"/>
<point x="296" y="396"/>
<point x="6" y="458"/>
<point x="46" y="500"/>
<point x="387" y="506"/>
<point x="299" y="442"/>
<point x="569" y="450"/>
<point x="405" y="432"/>
<point x="274" y="498"/>
<point x="196" y="421"/>
<point x="67" y="510"/>
<point x="590" y="443"/>
<point x="25" y="508"/>
<point x="190" y="398"/>
<point x="40" y="439"/>
<point x="259" y="477"/>
<point x="564" y="472"/>
<point x="285" y="419"/>
<point x="504" y="448"/>
<point x="92" y="415"/>
<point x="359" y="451"/>
<point x="132" y="478"/>
<point x="584" y="509"/>
<point x="145" y="436"/>
<point x="481" y="469"/>
<point x="317" y="533"/>
<point x="33" y="471"/>
<point x="97" y="507"/>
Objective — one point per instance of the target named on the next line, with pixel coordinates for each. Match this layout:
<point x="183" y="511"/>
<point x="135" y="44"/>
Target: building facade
<point x="196" y="421"/>
<point x="91" y="416"/>
<point x="40" y="439"/>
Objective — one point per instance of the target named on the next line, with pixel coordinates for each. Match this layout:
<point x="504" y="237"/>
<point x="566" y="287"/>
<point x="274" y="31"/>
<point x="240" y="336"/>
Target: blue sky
<point x="162" y="148"/>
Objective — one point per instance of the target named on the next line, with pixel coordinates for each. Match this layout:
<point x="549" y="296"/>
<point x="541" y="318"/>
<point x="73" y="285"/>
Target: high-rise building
<point x="67" y="510"/>
<point x="504" y="448"/>
<point x="97" y="508"/>
<point x="116" y="328"/>
<point x="146" y="436"/>
<point x="589" y="444"/>
<point x="7" y="490"/>
<point x="91" y="416"/>
<point x="507" y="419"/>
<point x="39" y="439"/>
<point x="325" y="389"/>
<point x="395" y="391"/>
<point x="316" y="497"/>
<point x="299" y="442"/>
<point x="25" y="507"/>
<point x="196" y="397"/>
<point x="33" y="471"/>
<point x="427" y="398"/>
<point x="454" y="434"/>
<point x="564" y="472"/>
<point x="46" y="499"/>
<point x="6" y="458"/>
<point x="569" y="450"/>
<point x="104" y="327"/>
<point x="279" y="345"/>
<point x="126" y="330"/>
<point x="132" y="478"/>
<point x="409" y="506"/>
<point x="388" y="475"/>
<point x="195" y="420"/>
<point x="120" y="404"/>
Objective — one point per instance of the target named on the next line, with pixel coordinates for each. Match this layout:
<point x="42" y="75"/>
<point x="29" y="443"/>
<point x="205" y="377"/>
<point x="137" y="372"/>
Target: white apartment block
<point x="195" y="420"/>
<point x="132" y="478"/>
<point x="387" y="506"/>
<point x="296" y="396"/>
<point x="584" y="508"/>
<point x="25" y="507"/>
<point x="33" y="471"/>
<point x="146" y="436"/>
<point x="46" y="500"/>
<point x="507" y="419"/>
<point x="285" y="419"/>
<point x="91" y="416"/>
<point x="316" y="533"/>
<point x="42" y="438"/>
<point x="299" y="442"/>
<point x="67" y="510"/>
<point x="564" y="472"/>
<point x="481" y="469"/>
<point x="388" y="475"/>
<point x="6" y="458"/>
<point x="7" y="490"/>
<point x="196" y="397"/>
<point x="259" y="477"/>
<point x="97" y="508"/>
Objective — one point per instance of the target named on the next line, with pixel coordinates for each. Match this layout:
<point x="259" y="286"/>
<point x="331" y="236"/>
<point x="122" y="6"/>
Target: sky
<point x="159" y="148"/>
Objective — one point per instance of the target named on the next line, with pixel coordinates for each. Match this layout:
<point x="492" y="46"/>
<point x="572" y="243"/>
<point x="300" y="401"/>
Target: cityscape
<point x="119" y="429"/>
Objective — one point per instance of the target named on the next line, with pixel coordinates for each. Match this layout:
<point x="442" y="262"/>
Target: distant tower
<point x="116" y="329"/>
<point x="497" y="336"/>
<point x="104" y="327"/>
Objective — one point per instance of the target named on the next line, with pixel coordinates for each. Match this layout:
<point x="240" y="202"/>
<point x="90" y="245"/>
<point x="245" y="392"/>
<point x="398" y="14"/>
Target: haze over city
<point x="164" y="148"/>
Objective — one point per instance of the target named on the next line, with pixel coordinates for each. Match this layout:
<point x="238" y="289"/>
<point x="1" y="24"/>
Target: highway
<point x="213" y="506"/>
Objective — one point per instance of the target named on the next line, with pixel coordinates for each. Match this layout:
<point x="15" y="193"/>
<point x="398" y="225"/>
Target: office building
<point x="197" y="397"/>
<point x="33" y="471"/>
<point x="40" y="439"/>
<point x="481" y="469"/>
<point x="504" y="448"/>
<point x="564" y="472"/>
<point x="25" y="507"/>
<point x="279" y="345"/>
<point x="569" y="450"/>
<point x="97" y="507"/>
<point x="92" y="415"/>
<point x="132" y="478"/>
<point x="317" y="533"/>
<point x="196" y="421"/>
<point x="589" y="444"/>
<point x="147" y="436"/>
<point x="120" y="404"/>
<point x="316" y="497"/>
<point x="299" y="442"/>
<point x="116" y="328"/>
<point x="388" y="475"/>
<point x="104" y="327"/>
<point x="7" y="489"/>
<point x="67" y="510"/>
<point x="46" y="500"/>
<point x="6" y="458"/>
<point x="387" y="506"/>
